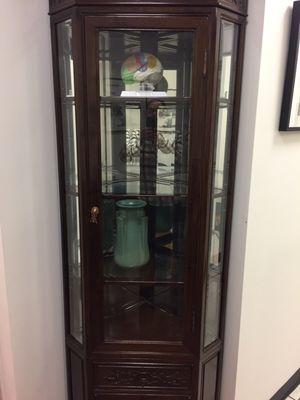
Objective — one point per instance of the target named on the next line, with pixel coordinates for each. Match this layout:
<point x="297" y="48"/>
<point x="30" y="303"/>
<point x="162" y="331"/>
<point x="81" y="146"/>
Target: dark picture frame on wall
<point x="290" y="110"/>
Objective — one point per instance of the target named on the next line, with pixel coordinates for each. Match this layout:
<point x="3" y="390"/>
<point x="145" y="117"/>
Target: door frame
<point x="200" y="166"/>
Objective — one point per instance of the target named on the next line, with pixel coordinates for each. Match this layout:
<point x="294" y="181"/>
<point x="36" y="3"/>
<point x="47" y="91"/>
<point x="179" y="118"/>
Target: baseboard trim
<point x="288" y="387"/>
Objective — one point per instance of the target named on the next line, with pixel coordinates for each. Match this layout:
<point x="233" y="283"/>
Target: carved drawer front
<point x="126" y="396"/>
<point x="146" y="377"/>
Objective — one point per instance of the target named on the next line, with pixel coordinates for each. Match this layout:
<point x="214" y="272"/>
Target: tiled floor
<point x="295" y="395"/>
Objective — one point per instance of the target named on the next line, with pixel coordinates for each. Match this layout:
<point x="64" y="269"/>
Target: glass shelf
<point x="160" y="198"/>
<point x="224" y="102"/>
<point x="176" y="198"/>
<point x="218" y="193"/>
<point x="72" y="190"/>
<point x="161" y="269"/>
<point x="67" y="99"/>
<point x="135" y="99"/>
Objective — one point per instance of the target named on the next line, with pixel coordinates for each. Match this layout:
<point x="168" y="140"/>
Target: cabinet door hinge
<point x="205" y="63"/>
<point x="193" y="321"/>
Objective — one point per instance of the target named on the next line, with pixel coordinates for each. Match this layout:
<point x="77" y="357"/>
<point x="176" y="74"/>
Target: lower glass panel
<point x="74" y="257"/>
<point x="75" y="302"/>
<point x="143" y="312"/>
<point x="210" y="379"/>
<point x="213" y="294"/>
<point x="213" y="304"/>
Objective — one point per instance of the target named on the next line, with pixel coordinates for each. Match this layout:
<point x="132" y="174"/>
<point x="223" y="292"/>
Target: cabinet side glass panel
<point x="226" y="86"/>
<point x="210" y="379"/>
<point x="145" y="96"/>
<point x="68" y="112"/>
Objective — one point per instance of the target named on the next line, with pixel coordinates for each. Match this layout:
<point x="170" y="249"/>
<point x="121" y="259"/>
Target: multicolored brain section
<point x="141" y="67"/>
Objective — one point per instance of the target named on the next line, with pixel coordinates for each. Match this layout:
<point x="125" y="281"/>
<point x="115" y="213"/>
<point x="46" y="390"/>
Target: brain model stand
<point x="141" y="72"/>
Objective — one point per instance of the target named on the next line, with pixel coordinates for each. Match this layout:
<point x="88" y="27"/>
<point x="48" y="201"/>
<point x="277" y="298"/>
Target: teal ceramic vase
<point x="131" y="247"/>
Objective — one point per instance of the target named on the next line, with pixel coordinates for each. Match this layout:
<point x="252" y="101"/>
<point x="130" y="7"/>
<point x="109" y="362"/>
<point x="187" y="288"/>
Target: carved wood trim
<point x="143" y="377"/>
<point x="236" y="5"/>
<point x="61" y="3"/>
<point x="58" y="5"/>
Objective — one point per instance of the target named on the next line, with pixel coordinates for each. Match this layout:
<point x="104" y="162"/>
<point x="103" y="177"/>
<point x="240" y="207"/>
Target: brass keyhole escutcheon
<point x="94" y="215"/>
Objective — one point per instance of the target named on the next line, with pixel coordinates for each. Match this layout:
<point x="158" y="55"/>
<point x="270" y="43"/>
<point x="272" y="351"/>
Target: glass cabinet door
<point x="145" y="100"/>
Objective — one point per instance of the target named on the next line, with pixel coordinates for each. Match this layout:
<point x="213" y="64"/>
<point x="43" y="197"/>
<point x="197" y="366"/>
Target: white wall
<point x="267" y="350"/>
<point x="32" y="356"/>
<point x="250" y="86"/>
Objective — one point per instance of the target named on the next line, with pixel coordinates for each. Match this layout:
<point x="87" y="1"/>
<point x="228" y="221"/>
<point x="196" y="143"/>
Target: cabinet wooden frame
<point x="205" y="22"/>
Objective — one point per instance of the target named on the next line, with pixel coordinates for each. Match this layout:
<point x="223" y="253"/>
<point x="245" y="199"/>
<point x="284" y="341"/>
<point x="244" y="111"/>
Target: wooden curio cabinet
<point x="147" y="103"/>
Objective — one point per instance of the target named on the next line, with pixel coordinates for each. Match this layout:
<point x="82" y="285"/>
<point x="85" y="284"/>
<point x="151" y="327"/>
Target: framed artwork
<point x="290" y="110"/>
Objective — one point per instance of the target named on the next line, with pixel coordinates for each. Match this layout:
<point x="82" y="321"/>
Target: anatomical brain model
<point x="143" y="68"/>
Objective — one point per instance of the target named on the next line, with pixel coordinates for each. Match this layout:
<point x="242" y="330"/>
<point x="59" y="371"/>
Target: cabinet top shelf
<point x="216" y="193"/>
<point x="135" y="99"/>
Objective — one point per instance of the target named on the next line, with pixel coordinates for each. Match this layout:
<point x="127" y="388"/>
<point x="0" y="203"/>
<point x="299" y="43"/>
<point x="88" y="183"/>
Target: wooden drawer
<point x="133" y="376"/>
<point x="123" y="396"/>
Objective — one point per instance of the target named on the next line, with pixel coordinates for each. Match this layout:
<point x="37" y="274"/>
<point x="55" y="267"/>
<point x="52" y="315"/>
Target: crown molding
<point x="238" y="6"/>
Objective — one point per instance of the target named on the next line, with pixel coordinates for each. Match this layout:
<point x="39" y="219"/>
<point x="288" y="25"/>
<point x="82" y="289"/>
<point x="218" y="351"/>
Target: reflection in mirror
<point x="148" y="160"/>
